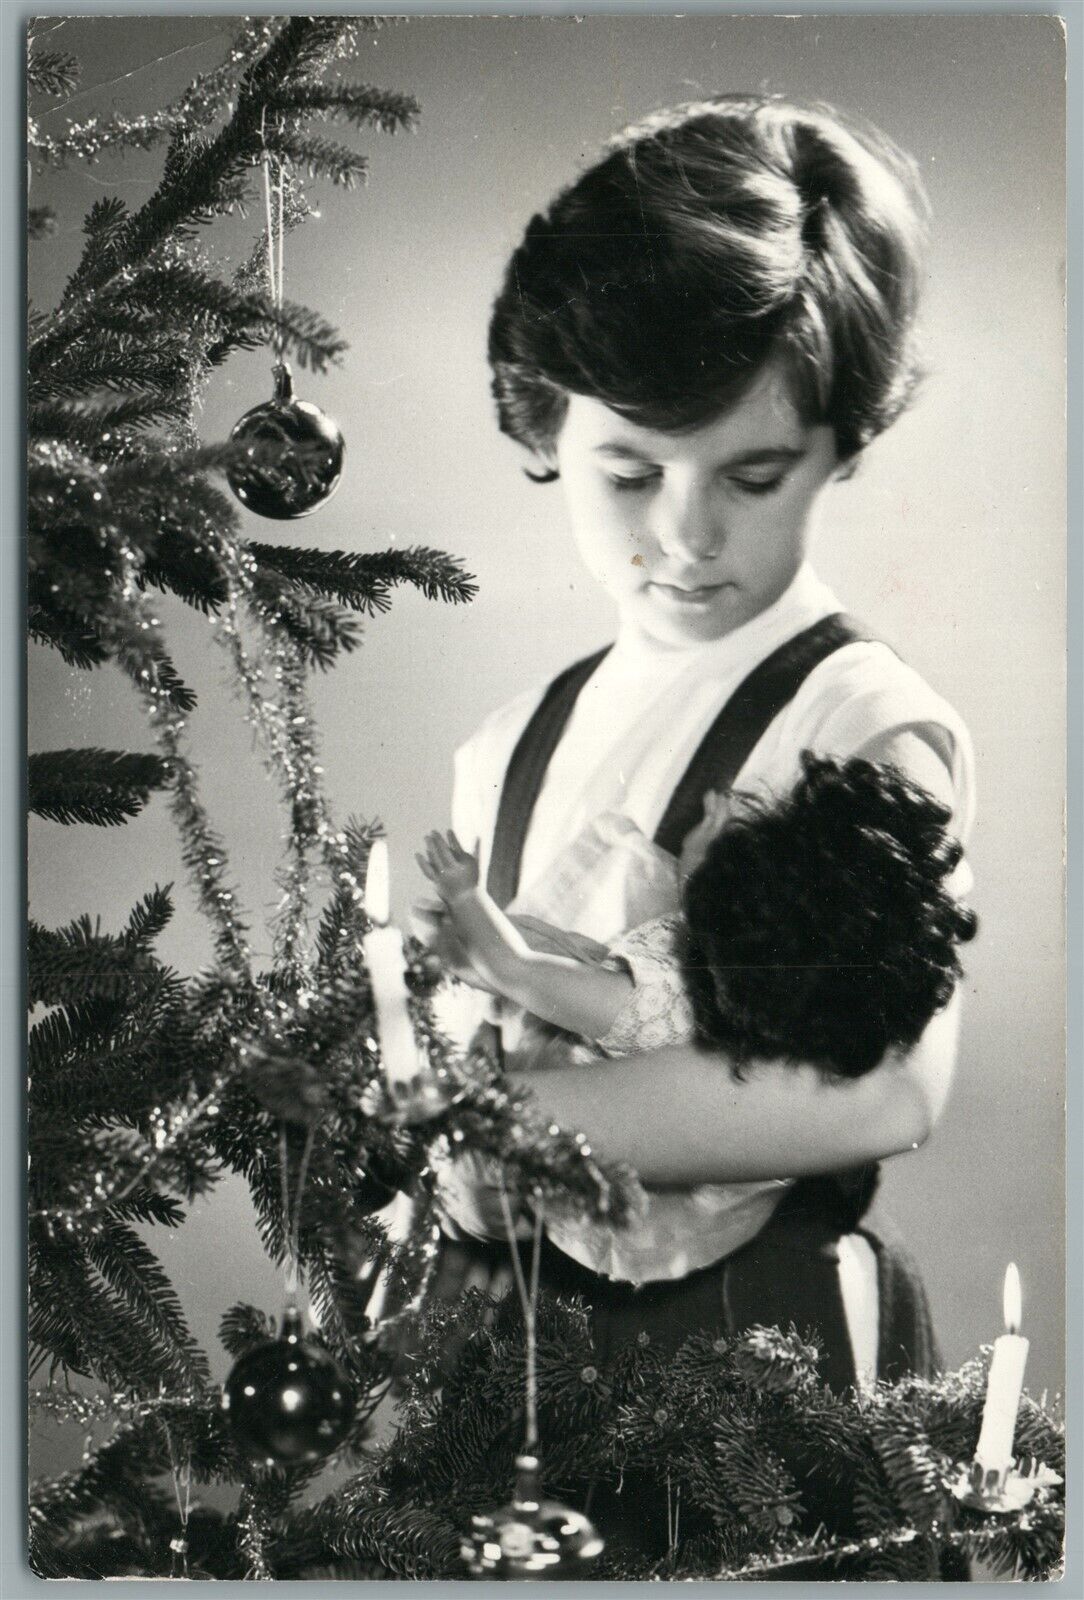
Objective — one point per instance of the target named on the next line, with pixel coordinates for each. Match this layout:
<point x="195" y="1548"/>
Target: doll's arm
<point x="570" y="993"/>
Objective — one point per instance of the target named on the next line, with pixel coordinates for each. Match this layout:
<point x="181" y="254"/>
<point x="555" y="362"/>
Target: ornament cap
<point x="528" y="1490"/>
<point x="293" y="1326"/>
<point x="284" y="382"/>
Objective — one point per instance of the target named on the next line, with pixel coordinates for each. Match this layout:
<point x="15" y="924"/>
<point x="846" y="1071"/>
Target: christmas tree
<point x="146" y="1085"/>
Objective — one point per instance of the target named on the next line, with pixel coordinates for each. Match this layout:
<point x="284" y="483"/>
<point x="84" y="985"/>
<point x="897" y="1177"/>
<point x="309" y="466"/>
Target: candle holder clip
<point x="1000" y="1490"/>
<point x="418" y="1099"/>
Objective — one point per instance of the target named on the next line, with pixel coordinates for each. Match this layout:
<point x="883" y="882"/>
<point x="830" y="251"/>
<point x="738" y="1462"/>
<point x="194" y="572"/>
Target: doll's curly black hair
<point x="819" y="926"/>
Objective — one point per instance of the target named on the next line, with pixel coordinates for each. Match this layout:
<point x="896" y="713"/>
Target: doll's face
<point x="694" y="533"/>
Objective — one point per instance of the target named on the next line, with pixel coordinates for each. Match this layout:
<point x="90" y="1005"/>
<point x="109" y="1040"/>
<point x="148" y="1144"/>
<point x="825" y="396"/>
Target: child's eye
<point x="759" y="485"/>
<point x="641" y="480"/>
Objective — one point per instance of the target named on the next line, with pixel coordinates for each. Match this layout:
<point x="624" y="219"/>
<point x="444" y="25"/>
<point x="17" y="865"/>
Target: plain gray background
<point x="950" y="539"/>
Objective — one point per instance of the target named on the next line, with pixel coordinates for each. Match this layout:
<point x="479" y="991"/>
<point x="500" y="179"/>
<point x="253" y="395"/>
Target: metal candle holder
<point x="1002" y="1489"/>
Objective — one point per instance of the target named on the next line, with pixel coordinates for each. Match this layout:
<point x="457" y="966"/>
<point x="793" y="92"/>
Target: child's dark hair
<point x="712" y="240"/>
<point x="819" y="927"/>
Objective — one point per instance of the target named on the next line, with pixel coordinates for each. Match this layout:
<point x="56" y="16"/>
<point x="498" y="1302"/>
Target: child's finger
<point x="462" y="855"/>
<point x="426" y="868"/>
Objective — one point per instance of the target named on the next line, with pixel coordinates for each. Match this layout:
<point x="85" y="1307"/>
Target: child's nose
<point x="687" y="525"/>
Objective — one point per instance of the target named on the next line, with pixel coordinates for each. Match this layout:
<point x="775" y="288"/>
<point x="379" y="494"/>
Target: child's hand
<point x="451" y="870"/>
<point x="436" y="928"/>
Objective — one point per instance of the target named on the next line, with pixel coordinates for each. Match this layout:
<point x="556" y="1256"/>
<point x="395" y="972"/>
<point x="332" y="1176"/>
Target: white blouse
<point x="634" y="729"/>
<point x="642" y="714"/>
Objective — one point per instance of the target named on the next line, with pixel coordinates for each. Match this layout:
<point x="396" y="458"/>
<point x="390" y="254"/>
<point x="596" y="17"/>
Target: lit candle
<point x="382" y="949"/>
<point x="994" y="1449"/>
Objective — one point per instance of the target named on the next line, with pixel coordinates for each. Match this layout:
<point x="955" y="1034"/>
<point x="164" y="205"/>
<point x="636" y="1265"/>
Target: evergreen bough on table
<point x="145" y="1085"/>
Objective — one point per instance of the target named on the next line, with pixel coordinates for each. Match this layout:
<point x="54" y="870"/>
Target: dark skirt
<point x="788" y="1274"/>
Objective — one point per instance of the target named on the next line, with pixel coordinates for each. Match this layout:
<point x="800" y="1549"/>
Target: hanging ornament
<point x="288" y="1401"/>
<point x="530" y="1538"/>
<point x="294" y="452"/>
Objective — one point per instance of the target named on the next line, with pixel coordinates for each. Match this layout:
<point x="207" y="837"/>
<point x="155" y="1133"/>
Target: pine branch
<point x="337" y="933"/>
<point x="88" y="424"/>
<point x="360" y="104"/>
<point x="322" y="158"/>
<point x="201" y="102"/>
<point x="302" y="49"/>
<point x="76" y="1320"/>
<point x="51" y="72"/>
<point x="64" y="631"/>
<point x="104" y="787"/>
<point x="135" y="1274"/>
<point x="177" y="290"/>
<point x="77" y="963"/>
<point x="242" y="1328"/>
<point x="149" y="917"/>
<point x="186" y="567"/>
<point x="363" y="580"/>
<point x="145" y="1206"/>
<point x="300" y="46"/>
<point x="111" y="1058"/>
<point x="408" y="1543"/>
<point x="125" y="362"/>
<point x="317" y="628"/>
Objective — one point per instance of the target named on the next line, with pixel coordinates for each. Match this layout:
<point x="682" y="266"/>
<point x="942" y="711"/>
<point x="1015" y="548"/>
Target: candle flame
<point x="1011" y="1300"/>
<point x="378" y="882"/>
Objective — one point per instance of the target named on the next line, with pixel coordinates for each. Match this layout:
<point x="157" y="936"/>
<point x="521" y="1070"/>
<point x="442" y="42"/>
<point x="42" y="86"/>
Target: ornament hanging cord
<point x="181" y="1473"/>
<point x="274" y="200"/>
<point x="528" y="1296"/>
<point x="291" y="1216"/>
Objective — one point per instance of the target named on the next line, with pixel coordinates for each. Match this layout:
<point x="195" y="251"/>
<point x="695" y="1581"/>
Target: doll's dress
<point x="614" y="877"/>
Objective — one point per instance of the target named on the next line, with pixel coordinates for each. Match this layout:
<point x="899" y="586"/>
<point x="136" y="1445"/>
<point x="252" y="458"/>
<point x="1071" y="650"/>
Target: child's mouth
<point x="682" y="596"/>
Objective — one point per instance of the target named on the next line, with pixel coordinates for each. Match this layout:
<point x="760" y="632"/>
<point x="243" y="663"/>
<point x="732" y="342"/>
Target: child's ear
<point x="542" y="465"/>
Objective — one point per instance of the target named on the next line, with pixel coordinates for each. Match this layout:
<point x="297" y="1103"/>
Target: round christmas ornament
<point x="288" y="1401"/>
<point x="294" y="454"/>
<point x="531" y="1538"/>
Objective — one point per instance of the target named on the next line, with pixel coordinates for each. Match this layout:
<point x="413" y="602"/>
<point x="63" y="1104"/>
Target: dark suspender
<point x="527" y="768"/>
<point x="746" y="717"/>
<point x="722" y="752"/>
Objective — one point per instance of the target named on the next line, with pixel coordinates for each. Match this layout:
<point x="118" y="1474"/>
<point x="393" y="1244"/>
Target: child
<point x="816" y="928"/>
<point x="696" y="339"/>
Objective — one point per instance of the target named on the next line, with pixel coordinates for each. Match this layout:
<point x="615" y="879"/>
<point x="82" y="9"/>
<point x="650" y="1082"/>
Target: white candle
<point x="382" y="949"/>
<point x="994" y="1449"/>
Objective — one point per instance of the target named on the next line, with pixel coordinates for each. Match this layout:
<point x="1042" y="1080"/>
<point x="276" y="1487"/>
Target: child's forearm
<point x="678" y="1116"/>
<point x="572" y="994"/>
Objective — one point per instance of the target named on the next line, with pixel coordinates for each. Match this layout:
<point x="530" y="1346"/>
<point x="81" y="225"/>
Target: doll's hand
<point x="450" y="869"/>
<point x="697" y="840"/>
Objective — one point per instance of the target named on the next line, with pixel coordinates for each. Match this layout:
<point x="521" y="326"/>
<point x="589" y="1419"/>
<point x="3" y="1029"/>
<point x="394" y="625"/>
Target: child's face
<point x="694" y="533"/>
